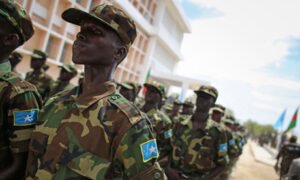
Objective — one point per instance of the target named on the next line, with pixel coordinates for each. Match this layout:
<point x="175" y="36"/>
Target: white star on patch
<point x="28" y="118"/>
<point x="152" y="149"/>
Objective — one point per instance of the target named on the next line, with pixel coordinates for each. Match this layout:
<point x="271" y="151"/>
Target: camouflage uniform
<point x="19" y="100"/>
<point x="95" y="135"/>
<point x="59" y="85"/>
<point x="41" y="80"/>
<point x="19" y="103"/>
<point x="196" y="152"/>
<point x="289" y="152"/>
<point x="61" y="145"/>
<point x="161" y="123"/>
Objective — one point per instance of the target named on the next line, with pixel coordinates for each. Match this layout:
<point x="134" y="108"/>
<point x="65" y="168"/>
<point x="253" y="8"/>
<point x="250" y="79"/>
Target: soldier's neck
<point x="149" y="106"/>
<point x="200" y="116"/>
<point x="96" y="75"/>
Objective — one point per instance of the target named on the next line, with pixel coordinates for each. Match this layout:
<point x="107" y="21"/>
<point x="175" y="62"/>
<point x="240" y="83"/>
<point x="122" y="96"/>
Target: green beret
<point x="126" y="86"/>
<point x="158" y="86"/>
<point x="69" y="68"/>
<point x="188" y="102"/>
<point x="17" y="17"/>
<point x="109" y="16"/>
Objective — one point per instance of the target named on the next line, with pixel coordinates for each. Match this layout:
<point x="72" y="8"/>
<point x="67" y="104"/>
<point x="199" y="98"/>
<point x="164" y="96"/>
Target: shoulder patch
<point x="149" y="150"/>
<point x="130" y="110"/>
<point x="25" y="118"/>
<point x="19" y="85"/>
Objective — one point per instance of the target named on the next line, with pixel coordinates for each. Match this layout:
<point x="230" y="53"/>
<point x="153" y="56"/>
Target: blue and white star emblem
<point x="149" y="150"/>
<point x="25" y="118"/>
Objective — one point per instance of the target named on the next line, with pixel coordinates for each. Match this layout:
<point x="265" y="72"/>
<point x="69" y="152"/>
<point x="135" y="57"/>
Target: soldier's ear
<point x="120" y="54"/>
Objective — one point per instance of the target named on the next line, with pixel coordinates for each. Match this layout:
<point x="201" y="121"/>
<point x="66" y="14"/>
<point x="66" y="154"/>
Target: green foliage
<point x="258" y="129"/>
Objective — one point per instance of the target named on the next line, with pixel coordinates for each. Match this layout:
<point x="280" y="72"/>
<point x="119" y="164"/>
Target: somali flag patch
<point x="232" y="142"/>
<point x="168" y="133"/>
<point x="223" y="147"/>
<point x="149" y="150"/>
<point x="25" y="118"/>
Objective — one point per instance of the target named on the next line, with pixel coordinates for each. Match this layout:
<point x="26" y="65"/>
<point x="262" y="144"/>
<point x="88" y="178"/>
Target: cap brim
<point x="65" y="68"/>
<point x="75" y="16"/>
<point x="37" y="56"/>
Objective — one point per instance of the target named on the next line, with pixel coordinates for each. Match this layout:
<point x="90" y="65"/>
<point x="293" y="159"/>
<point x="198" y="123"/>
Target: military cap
<point x="207" y="89"/>
<point x="228" y="121"/>
<point x="39" y="55"/>
<point x="16" y="55"/>
<point x="69" y="68"/>
<point x="17" y="17"/>
<point x="216" y="109"/>
<point x="126" y="86"/>
<point x="176" y="101"/>
<point x="221" y="107"/>
<point x="135" y="86"/>
<point x="188" y="102"/>
<point x="108" y="15"/>
<point x="158" y="86"/>
<point x="168" y="107"/>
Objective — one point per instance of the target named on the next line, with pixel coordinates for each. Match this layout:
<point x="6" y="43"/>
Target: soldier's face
<point x="127" y="93"/>
<point x="187" y="109"/>
<point x="36" y="64"/>
<point x="217" y="116"/>
<point x="152" y="96"/>
<point x="65" y="75"/>
<point x="204" y="102"/>
<point x="95" y="44"/>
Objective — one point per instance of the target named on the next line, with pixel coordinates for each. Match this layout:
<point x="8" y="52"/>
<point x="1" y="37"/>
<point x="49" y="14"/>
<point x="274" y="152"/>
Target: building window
<point x="146" y="7"/>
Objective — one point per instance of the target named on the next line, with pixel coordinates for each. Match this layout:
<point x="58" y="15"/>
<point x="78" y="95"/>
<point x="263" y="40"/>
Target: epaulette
<point x="20" y="86"/>
<point x="130" y="110"/>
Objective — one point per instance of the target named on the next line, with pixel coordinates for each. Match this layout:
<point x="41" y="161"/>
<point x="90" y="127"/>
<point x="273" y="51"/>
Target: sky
<point x="250" y="51"/>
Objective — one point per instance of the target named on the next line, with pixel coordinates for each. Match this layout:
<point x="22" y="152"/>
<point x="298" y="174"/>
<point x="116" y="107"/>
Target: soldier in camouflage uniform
<point x="186" y="113"/>
<point x="19" y="100"/>
<point x="38" y="77"/>
<point x="127" y="91"/>
<point x="137" y="88"/>
<point x="287" y="154"/>
<point x="14" y="59"/>
<point x="176" y="109"/>
<point x="91" y="131"/>
<point x="67" y="72"/>
<point x="161" y="123"/>
<point x="199" y="144"/>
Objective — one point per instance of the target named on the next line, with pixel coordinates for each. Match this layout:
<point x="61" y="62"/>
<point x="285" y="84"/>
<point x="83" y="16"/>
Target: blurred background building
<point x="161" y="26"/>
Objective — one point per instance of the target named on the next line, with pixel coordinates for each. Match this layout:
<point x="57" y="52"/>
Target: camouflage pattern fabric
<point x="208" y="90"/>
<point x="59" y="86"/>
<point x="42" y="82"/>
<point x="289" y="152"/>
<point x="109" y="15"/>
<point x="18" y="19"/>
<point x="95" y="136"/>
<point x="198" y="151"/>
<point x="17" y="98"/>
<point x="162" y="126"/>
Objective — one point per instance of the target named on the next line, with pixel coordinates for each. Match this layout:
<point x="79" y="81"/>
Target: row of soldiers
<point x="96" y="130"/>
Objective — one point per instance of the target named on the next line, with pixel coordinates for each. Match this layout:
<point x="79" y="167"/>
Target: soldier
<point x="176" y="109"/>
<point x="14" y="59"/>
<point x="187" y="107"/>
<point x="91" y="131"/>
<point x="137" y="88"/>
<point x="19" y="100"/>
<point x="162" y="125"/>
<point x="199" y="144"/>
<point x="45" y="67"/>
<point x="127" y="91"/>
<point x="287" y="154"/>
<point x="67" y="72"/>
<point x="38" y="77"/>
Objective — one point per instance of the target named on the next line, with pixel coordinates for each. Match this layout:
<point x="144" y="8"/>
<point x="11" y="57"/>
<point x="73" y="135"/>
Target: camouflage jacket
<point x="19" y="106"/>
<point x="198" y="151"/>
<point x="162" y="126"/>
<point x="238" y="141"/>
<point x="59" y="86"/>
<point x="100" y="135"/>
<point x="42" y="81"/>
<point x="233" y="150"/>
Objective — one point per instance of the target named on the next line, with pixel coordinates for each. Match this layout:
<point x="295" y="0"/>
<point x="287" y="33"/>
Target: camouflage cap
<point x="158" y="86"/>
<point x="69" y="68"/>
<point x="188" y="102"/>
<point x="210" y="90"/>
<point x="135" y="86"/>
<point x="108" y="15"/>
<point x="125" y="85"/>
<point x="216" y="109"/>
<point x="176" y="101"/>
<point x="221" y="107"/>
<point x="16" y="15"/>
<point x="227" y="121"/>
<point x="39" y="55"/>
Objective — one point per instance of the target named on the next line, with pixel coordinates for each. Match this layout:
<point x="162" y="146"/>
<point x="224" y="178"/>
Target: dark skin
<point x="9" y="41"/>
<point x="217" y="116"/>
<point x="176" y="109"/>
<point x="100" y="67"/>
<point x="187" y="109"/>
<point x="127" y="93"/>
<point x="65" y="76"/>
<point x="37" y="65"/>
<point x="14" y="60"/>
<point x="152" y="99"/>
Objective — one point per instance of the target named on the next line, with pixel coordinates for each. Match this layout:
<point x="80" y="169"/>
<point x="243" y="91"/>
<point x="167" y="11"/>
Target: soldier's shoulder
<point x="133" y="114"/>
<point x="17" y="84"/>
<point x="212" y="125"/>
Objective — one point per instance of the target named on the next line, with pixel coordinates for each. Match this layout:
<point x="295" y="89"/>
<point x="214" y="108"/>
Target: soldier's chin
<point x="77" y="59"/>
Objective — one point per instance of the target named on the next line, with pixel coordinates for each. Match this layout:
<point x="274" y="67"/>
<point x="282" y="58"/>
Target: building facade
<point x="161" y="25"/>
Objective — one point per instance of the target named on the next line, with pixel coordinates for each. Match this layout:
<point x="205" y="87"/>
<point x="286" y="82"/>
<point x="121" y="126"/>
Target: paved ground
<point x="248" y="168"/>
